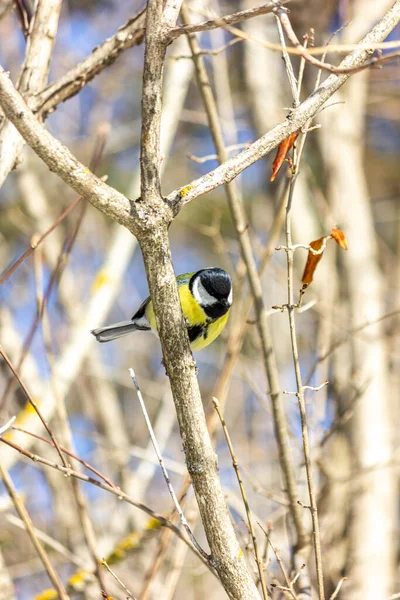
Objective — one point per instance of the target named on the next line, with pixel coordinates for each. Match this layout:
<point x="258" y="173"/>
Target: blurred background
<point x="89" y="272"/>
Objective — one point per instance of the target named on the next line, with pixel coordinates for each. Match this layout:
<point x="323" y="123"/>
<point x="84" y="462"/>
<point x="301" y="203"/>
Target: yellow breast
<point x="194" y="315"/>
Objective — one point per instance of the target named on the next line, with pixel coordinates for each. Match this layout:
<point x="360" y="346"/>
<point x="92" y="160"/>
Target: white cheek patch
<point x="230" y="297"/>
<point x="201" y="295"/>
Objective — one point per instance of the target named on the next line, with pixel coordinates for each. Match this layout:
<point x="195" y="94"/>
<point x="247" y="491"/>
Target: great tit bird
<point x="206" y="298"/>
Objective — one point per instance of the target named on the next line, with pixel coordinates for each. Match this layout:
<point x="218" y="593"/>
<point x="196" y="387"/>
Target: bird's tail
<point x="117" y="330"/>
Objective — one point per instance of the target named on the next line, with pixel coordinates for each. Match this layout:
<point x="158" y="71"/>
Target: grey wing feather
<point x="117" y="330"/>
<point x="140" y="313"/>
<point x="114" y="331"/>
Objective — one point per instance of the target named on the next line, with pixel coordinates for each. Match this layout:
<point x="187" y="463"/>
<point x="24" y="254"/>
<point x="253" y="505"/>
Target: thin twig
<point x="296" y="362"/>
<point x="289" y="584"/>
<point x="116" y="491"/>
<point x="295" y="247"/>
<point x="4" y="428"/>
<point x="203" y="159"/>
<point x="237" y="17"/>
<point x="208" y="52"/>
<point x="163" y="468"/>
<point x="48" y="540"/>
<point x="34" y="405"/>
<point x="38" y="240"/>
<point x="24" y="515"/>
<point x="288" y="63"/>
<point x="130" y="595"/>
<point x="244" y="497"/>
<point x="282" y="15"/>
<point x="68" y="452"/>
<point x="339" y="585"/>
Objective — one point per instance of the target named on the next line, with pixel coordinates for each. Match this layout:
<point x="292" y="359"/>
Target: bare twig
<point x="295" y="247"/>
<point x="296" y="362"/>
<point x="129" y="35"/>
<point x="282" y="15"/>
<point x="237" y="17"/>
<point x="203" y="159"/>
<point x="258" y="559"/>
<point x="130" y="595"/>
<point x="288" y="63"/>
<point x="298" y="117"/>
<point x="23" y="513"/>
<point x="289" y="584"/>
<point x="38" y="240"/>
<point x="4" y="428"/>
<point x="116" y="491"/>
<point x="34" y="405"/>
<point x="208" y="52"/>
<point x="163" y="468"/>
<point x="66" y="451"/>
<point x="337" y="590"/>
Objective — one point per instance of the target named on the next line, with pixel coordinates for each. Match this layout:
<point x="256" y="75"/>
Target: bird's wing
<point x="140" y="313"/>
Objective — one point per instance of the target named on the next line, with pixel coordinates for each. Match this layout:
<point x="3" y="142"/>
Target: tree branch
<point x="239" y="220"/>
<point x="242" y="15"/>
<point x="45" y="101"/>
<point x="282" y="16"/>
<point x="129" y="35"/>
<point x="294" y="122"/>
<point x="152" y="231"/>
<point x="33" y="77"/>
<point x="59" y="159"/>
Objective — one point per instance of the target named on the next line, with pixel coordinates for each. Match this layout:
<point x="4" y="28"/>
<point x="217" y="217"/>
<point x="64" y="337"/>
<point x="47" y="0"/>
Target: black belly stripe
<point x="195" y="331"/>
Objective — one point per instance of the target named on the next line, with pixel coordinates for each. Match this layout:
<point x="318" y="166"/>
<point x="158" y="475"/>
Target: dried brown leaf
<point x="281" y="153"/>
<point x="312" y="261"/>
<point x="339" y="237"/>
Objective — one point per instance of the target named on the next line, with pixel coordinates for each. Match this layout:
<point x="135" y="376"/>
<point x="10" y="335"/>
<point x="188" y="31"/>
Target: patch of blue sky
<point x="27" y="477"/>
<point x="86" y="448"/>
<point x="252" y="178"/>
<point x="384" y="135"/>
<point x="127" y="160"/>
<point x="77" y="32"/>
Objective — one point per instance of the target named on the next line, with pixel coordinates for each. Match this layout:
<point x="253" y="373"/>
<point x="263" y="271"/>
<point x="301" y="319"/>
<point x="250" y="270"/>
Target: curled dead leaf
<point x="339" y="237"/>
<point x="312" y="261"/>
<point x="281" y="153"/>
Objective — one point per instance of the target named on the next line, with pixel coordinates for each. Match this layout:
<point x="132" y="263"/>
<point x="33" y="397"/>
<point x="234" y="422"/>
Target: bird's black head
<point x="212" y="288"/>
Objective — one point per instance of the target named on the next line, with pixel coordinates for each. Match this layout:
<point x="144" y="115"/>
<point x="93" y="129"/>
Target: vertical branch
<point x="33" y="76"/>
<point x="152" y="103"/>
<point x="302" y="405"/>
<point x="151" y="230"/>
<point x="240" y="222"/>
<point x="292" y="326"/>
